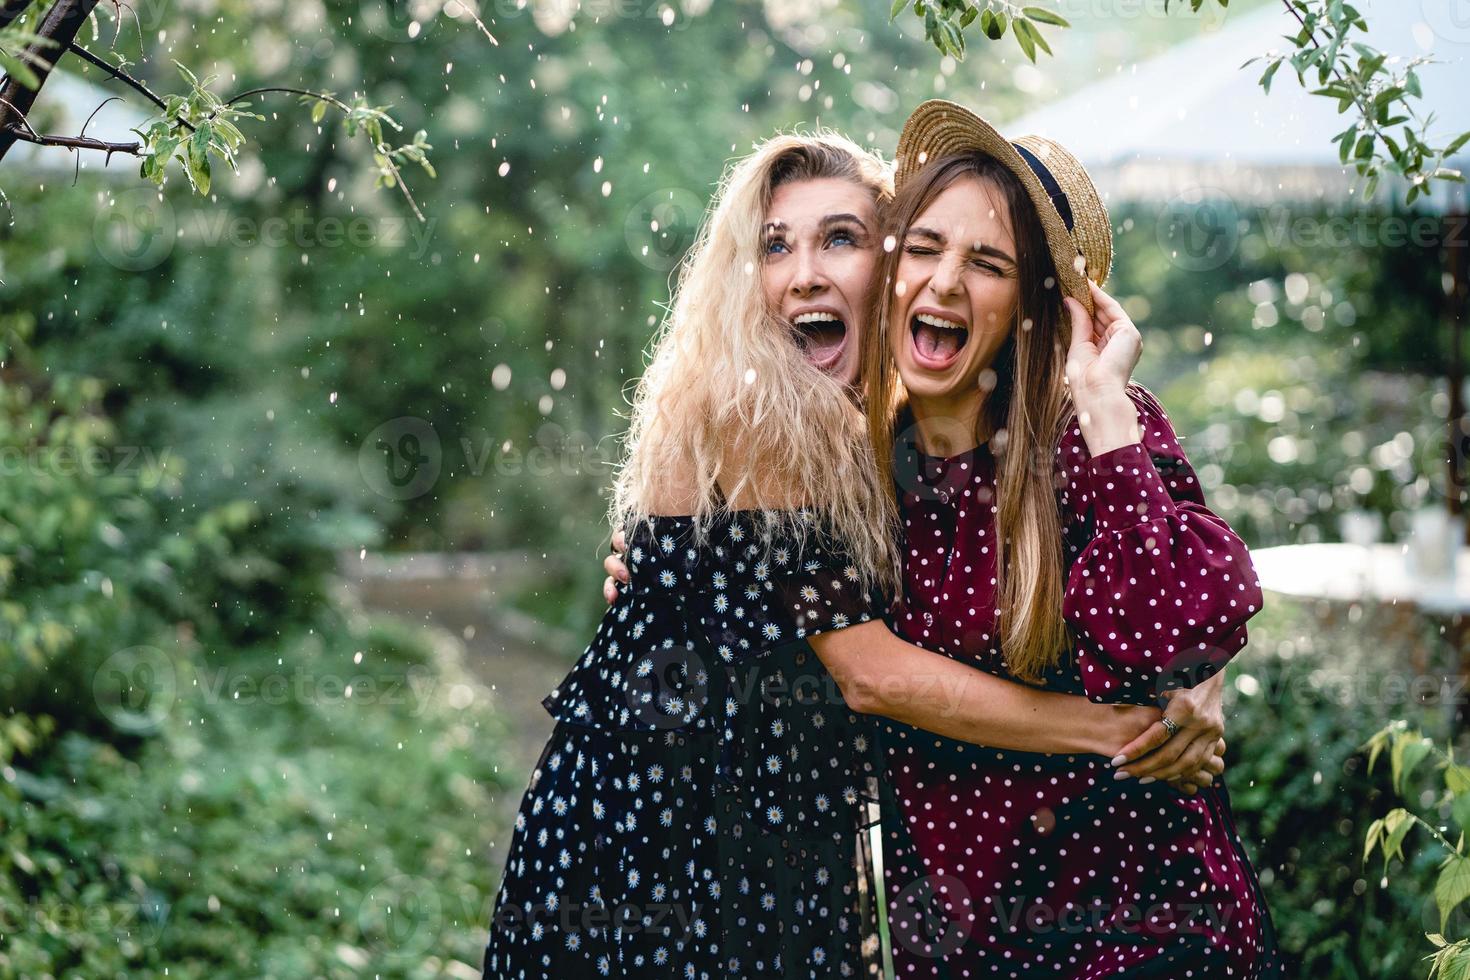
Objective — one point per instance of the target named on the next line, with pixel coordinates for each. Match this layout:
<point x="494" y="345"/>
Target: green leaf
<point x="1035" y="35"/>
<point x="898" y="7"/>
<point x="198" y="159"/>
<point x="1396" y="826"/>
<point x="1375" y="833"/>
<point x="19" y="70"/>
<point x="1453" y="886"/>
<point x="318" y="111"/>
<point x="1044" y="16"/>
<point x="1409" y="749"/>
<point x="1268" y="74"/>
<point x="1021" y="28"/>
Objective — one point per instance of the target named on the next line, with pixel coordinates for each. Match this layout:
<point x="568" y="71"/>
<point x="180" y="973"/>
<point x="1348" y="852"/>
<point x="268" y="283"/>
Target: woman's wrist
<point x="1108" y="422"/>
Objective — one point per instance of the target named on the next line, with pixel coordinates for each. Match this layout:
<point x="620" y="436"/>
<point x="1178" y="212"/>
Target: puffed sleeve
<point x="1160" y="589"/>
<point x="826" y="592"/>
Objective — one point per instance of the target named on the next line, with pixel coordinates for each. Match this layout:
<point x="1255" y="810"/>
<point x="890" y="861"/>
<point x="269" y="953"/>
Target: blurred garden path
<point x="517" y="658"/>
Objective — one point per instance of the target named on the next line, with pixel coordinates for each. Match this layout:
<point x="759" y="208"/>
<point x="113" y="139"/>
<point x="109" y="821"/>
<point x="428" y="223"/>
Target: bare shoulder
<point x="750" y="481"/>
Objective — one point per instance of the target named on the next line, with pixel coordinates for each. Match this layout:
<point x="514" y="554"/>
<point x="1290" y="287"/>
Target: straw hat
<point x="1077" y="227"/>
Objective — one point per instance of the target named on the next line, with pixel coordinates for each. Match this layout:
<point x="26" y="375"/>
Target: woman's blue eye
<point x="841" y="236"/>
<point x="774" y="244"/>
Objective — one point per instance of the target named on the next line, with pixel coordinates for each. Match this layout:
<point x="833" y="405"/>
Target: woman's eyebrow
<point x="976" y="248"/>
<point x="980" y="248"/>
<point x="842" y="219"/>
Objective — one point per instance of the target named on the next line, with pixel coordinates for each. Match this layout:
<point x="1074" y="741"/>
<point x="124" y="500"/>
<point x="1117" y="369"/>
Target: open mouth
<point x="937" y="341"/>
<point x="821" y="337"/>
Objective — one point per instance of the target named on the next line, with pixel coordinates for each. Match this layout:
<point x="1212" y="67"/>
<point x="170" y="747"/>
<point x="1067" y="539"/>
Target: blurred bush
<point x="1313" y="684"/>
<point x="188" y="785"/>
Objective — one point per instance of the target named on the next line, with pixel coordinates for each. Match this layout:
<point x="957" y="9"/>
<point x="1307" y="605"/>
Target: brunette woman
<point x="1055" y="534"/>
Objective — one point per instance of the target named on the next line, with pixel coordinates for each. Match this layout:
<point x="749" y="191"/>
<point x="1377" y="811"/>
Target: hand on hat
<point x="1104" y="351"/>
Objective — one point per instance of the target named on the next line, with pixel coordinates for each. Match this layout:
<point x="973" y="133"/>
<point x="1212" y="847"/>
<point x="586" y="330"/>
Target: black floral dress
<point x="702" y="808"/>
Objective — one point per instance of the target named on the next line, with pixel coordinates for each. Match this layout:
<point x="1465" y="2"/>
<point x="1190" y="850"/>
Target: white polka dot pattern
<point x="697" y="812"/>
<point x="1021" y="865"/>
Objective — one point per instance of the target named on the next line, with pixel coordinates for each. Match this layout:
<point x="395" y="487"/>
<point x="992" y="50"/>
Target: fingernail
<point x="1118" y="760"/>
<point x="1122" y="774"/>
<point x="1145" y="780"/>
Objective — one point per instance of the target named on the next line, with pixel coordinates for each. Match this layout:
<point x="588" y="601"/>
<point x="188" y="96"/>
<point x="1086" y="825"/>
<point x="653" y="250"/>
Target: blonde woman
<point x="698" y="810"/>
<point x="1054" y="533"/>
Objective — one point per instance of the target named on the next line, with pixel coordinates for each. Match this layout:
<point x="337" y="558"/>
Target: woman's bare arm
<point x="880" y="674"/>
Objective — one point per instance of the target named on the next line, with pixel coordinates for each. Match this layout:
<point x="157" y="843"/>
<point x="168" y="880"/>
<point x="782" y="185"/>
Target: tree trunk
<point x="60" y="24"/>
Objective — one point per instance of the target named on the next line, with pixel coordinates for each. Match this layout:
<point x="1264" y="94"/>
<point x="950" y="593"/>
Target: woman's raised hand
<point x="616" y="570"/>
<point x="1105" y="347"/>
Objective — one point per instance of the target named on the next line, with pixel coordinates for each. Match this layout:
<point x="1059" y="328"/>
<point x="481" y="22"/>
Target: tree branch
<point x="120" y="75"/>
<point x="59" y="26"/>
<point x="26" y="135"/>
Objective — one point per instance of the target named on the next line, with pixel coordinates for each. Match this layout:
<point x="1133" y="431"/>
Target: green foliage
<point x="187" y="784"/>
<point x="945" y="22"/>
<point x="1310" y="683"/>
<point x="262" y="831"/>
<point x="1360" y="77"/>
<point x="1407" y="748"/>
<point x="1354" y="74"/>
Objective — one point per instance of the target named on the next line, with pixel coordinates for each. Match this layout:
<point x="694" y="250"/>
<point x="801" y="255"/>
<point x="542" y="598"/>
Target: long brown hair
<point x="1023" y="411"/>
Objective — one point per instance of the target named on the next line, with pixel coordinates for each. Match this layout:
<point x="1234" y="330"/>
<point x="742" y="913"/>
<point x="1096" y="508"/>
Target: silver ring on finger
<point x="1172" y="726"/>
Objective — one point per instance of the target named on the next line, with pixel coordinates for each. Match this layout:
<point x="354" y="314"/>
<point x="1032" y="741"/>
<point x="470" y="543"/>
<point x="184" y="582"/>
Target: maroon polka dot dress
<point x="1012" y="864"/>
